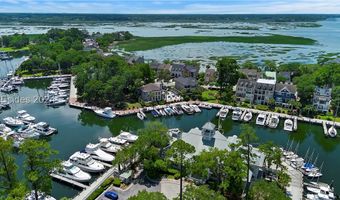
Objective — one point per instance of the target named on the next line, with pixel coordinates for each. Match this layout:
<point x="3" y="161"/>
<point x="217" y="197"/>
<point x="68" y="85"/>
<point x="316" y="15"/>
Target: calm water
<point x="77" y="128"/>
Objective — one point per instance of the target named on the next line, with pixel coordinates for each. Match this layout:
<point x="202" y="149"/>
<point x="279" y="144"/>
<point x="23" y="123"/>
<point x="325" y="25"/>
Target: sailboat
<point x="332" y="131"/>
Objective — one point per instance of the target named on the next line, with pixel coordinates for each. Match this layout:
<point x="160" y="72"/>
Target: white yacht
<point x="321" y="192"/>
<point x="44" y="129"/>
<point x="127" y="136"/>
<point x="95" y="151"/>
<point x="24" y="116"/>
<point x="17" y="81"/>
<point x="332" y="131"/>
<point x="140" y="116"/>
<point x="4" y="130"/>
<point x="314" y="174"/>
<point x="10" y="121"/>
<point x="195" y="108"/>
<point x="187" y="109"/>
<point x="236" y="115"/>
<point x="85" y="162"/>
<point x="27" y="131"/>
<point x="41" y="196"/>
<point x="288" y="125"/>
<point x="116" y="140"/>
<point x="261" y="119"/>
<point x="55" y="101"/>
<point x="248" y="116"/>
<point x="106" y="113"/>
<point x="274" y="121"/>
<point x="107" y="146"/>
<point x="223" y="113"/>
<point x="70" y="171"/>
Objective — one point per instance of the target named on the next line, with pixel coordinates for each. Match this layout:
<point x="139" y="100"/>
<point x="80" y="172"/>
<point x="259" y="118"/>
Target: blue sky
<point x="172" y="7"/>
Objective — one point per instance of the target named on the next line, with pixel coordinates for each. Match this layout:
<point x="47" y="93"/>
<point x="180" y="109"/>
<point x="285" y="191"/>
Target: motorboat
<point x="140" y="116"/>
<point x="119" y="141"/>
<point x="314" y="174"/>
<point x="179" y="109"/>
<point x="169" y="111"/>
<point x="24" y="116"/>
<point x="55" y="101"/>
<point x="95" y="151"/>
<point x="261" y="119"/>
<point x="127" y="136"/>
<point x="274" y="121"/>
<point x="332" y="131"/>
<point x="288" y="125"/>
<point x="195" y="108"/>
<point x="106" y="113"/>
<point x="9" y="89"/>
<point x="236" y="115"/>
<point x="85" y="162"/>
<point x="162" y="112"/>
<point x="4" y="104"/>
<point x="323" y="192"/>
<point x="223" y="113"/>
<point x="142" y="113"/>
<point x="17" y="81"/>
<point x="27" y="131"/>
<point x="175" y="133"/>
<point x="206" y="106"/>
<point x="41" y="196"/>
<point x="44" y="129"/>
<point x="71" y="171"/>
<point x="154" y="113"/>
<point x="248" y="116"/>
<point x="4" y="130"/>
<point x="187" y="109"/>
<point x="13" y="122"/>
<point x="107" y="146"/>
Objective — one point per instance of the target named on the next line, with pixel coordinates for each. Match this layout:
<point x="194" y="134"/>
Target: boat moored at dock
<point x="261" y="119"/>
<point x="95" y="151"/>
<point x="85" y="162"/>
<point x="288" y="125"/>
<point x="71" y="171"/>
<point x="106" y="113"/>
<point x="127" y="136"/>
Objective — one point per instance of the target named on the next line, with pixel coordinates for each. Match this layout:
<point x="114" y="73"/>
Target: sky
<point x="172" y="6"/>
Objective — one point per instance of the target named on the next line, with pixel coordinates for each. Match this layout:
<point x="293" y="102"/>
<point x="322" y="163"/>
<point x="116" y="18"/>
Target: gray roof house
<point x="245" y="90"/>
<point x="177" y="69"/>
<point x="152" y="92"/>
<point x="185" y="83"/>
<point x="191" y="71"/>
<point x="251" y="74"/>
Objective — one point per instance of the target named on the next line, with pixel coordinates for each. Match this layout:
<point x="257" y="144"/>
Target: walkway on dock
<point x="295" y="187"/>
<point x="90" y="189"/>
<point x="45" y="77"/>
<point x="72" y="182"/>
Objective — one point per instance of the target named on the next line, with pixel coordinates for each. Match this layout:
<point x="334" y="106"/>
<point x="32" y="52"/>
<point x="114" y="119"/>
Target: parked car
<point x="111" y="195"/>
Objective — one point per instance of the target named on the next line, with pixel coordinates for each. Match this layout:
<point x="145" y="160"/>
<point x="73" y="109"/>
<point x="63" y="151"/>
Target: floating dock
<point x="243" y="114"/>
<point x="72" y="182"/>
<point x="325" y="130"/>
<point x="295" y="124"/>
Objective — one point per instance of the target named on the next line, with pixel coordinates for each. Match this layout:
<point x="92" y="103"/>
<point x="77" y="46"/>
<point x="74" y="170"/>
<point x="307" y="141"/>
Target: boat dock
<point x="72" y="182"/>
<point x="91" y="188"/>
<point x="243" y="114"/>
<point x="325" y="128"/>
<point x="295" y="187"/>
<point x="295" y="124"/>
<point x="46" y="77"/>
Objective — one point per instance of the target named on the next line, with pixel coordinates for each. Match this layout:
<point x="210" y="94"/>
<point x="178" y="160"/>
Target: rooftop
<point x="267" y="81"/>
<point x="151" y="87"/>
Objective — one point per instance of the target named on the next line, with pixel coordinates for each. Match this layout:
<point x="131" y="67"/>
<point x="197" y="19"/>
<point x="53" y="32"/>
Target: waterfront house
<point x="133" y="59"/>
<point x="186" y="83"/>
<point x="157" y="66"/>
<point x="152" y="92"/>
<point x="190" y="71"/>
<point x="90" y="44"/>
<point x="251" y="74"/>
<point x="208" y="137"/>
<point x="264" y="90"/>
<point x="177" y="69"/>
<point x="284" y="93"/>
<point x="322" y="98"/>
<point x="210" y="75"/>
<point x="245" y="90"/>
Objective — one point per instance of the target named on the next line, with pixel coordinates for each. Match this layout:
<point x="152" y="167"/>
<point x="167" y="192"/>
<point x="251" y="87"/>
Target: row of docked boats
<point x="319" y="191"/>
<point x="176" y="109"/>
<point x="22" y="127"/>
<point x="5" y="56"/>
<point x="11" y="83"/>
<point x="93" y="158"/>
<point x="57" y="93"/>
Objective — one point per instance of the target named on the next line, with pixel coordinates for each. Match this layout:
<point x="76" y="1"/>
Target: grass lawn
<point x="133" y="105"/>
<point x="10" y="49"/>
<point x="209" y="95"/>
<point x="146" y="43"/>
<point x="329" y="118"/>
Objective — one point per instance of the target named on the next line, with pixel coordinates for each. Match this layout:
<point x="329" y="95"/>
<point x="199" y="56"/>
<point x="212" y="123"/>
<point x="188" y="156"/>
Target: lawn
<point x="10" y="49"/>
<point x="146" y="43"/>
<point x="329" y="118"/>
<point x="209" y="95"/>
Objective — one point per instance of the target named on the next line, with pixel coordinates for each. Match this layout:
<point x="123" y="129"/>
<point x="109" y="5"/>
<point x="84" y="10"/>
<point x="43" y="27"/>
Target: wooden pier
<point x="46" y="77"/>
<point x="325" y="130"/>
<point x="72" y="182"/>
<point x="295" y="124"/>
<point x="243" y="114"/>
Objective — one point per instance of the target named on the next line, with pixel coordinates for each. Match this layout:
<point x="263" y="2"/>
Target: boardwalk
<point x="72" y="182"/>
<point x="90" y="189"/>
<point x="296" y="185"/>
<point x="45" y="77"/>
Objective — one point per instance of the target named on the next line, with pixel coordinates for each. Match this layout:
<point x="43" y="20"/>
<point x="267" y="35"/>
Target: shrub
<point x="117" y="182"/>
<point x="101" y="188"/>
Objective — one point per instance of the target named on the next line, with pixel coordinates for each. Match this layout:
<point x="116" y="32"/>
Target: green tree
<point x="247" y="137"/>
<point x="305" y="87"/>
<point x="270" y="65"/>
<point x="200" y="193"/>
<point x="143" y="195"/>
<point x="8" y="168"/>
<point x="335" y="100"/>
<point x="283" y="179"/>
<point x="38" y="165"/>
<point x="177" y="153"/>
<point x="263" y="190"/>
<point x="227" y="70"/>
<point x="250" y="65"/>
